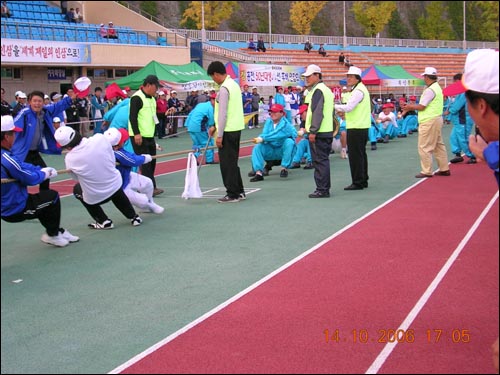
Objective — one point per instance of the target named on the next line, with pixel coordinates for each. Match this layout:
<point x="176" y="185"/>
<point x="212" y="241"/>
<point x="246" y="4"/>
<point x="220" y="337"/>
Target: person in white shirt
<point x="388" y="124"/>
<point x="91" y="161"/>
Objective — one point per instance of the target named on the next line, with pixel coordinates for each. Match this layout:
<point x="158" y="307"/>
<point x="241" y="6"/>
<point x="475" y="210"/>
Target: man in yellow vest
<point x="142" y="124"/>
<point x="430" y="124"/>
<point x="319" y="126"/>
<point x="358" y="121"/>
<point x="229" y="122"/>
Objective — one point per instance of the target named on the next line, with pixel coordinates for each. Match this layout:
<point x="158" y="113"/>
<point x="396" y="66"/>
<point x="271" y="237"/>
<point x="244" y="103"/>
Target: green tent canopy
<point x="185" y="77"/>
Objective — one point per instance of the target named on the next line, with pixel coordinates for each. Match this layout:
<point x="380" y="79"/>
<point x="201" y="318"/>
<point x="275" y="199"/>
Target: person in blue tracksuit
<point x="17" y="204"/>
<point x="200" y="119"/>
<point x="38" y="131"/>
<point x="276" y="142"/>
<point x="303" y="146"/>
<point x="462" y="125"/>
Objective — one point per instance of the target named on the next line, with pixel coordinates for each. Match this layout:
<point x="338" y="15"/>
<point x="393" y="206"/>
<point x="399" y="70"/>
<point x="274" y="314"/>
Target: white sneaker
<point x="155" y="208"/>
<point x="58" y="240"/>
<point x="136" y="221"/>
<point x="343" y="154"/>
<point x="108" y="224"/>
<point x="67" y="235"/>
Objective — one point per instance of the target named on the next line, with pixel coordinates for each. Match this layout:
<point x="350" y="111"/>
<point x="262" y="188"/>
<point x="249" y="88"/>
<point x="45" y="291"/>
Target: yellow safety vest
<point x="235" y="119"/>
<point x="435" y="107"/>
<point x="145" y="117"/>
<point x="359" y="117"/>
<point x="328" y="107"/>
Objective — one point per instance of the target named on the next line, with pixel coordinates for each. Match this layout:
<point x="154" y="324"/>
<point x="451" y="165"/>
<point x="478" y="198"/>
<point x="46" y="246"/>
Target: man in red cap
<point x="276" y="142"/>
<point x="387" y="120"/>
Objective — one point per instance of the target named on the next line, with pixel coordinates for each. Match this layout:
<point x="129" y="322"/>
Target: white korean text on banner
<point x="271" y="75"/>
<point x="40" y="51"/>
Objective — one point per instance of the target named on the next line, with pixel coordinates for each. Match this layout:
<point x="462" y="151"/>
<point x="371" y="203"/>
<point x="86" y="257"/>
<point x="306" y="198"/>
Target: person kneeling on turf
<point x="276" y="142"/>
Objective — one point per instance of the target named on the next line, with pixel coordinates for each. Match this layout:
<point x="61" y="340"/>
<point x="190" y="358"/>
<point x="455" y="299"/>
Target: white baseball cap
<point x="480" y="74"/>
<point x="354" y="70"/>
<point x="344" y="88"/>
<point x="429" y="71"/>
<point x="22" y="95"/>
<point x="17" y="93"/>
<point x="8" y="124"/>
<point x="56" y="119"/>
<point x="311" y="69"/>
<point x="113" y="136"/>
<point x="64" y="135"/>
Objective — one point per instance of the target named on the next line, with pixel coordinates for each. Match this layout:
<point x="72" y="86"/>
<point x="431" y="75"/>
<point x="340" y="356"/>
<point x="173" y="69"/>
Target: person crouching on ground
<point x="138" y="188"/>
<point x="17" y="204"/>
<point x="276" y="142"/>
<point x="91" y="162"/>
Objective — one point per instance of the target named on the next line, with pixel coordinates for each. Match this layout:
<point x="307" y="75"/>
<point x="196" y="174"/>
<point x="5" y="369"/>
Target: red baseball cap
<point x="276" y="108"/>
<point x="303" y="108"/>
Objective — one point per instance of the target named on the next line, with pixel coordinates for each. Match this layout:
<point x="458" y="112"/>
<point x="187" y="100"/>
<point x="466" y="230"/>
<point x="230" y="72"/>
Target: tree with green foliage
<point x="149" y="7"/>
<point x="435" y="25"/>
<point x="396" y="28"/>
<point x="215" y="13"/>
<point x="302" y="13"/>
<point x="373" y="15"/>
<point x="488" y="24"/>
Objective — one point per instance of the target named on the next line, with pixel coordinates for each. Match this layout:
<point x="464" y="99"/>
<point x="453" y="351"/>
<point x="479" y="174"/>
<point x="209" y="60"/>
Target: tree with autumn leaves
<point x="215" y="13"/>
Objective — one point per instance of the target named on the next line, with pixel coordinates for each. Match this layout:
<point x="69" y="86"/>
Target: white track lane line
<point x="389" y="347"/>
<point x="218" y="308"/>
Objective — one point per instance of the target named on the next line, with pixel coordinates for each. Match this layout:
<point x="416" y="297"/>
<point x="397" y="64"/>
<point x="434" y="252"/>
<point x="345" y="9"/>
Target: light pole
<point x="345" y="36"/>
<point x="464" y="44"/>
<point x="203" y="32"/>
<point x="270" y="36"/>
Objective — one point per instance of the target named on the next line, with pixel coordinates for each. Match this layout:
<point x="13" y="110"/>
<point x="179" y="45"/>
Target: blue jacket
<point x="127" y="160"/>
<point x="27" y="120"/>
<point x="459" y="114"/>
<point x="276" y="137"/>
<point x="200" y="118"/>
<point x="15" y="194"/>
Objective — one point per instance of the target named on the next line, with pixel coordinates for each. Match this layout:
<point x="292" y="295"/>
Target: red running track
<point x="366" y="279"/>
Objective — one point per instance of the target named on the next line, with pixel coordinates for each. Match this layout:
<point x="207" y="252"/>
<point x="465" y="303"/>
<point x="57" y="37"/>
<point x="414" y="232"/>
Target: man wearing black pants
<point x="358" y="121"/>
<point x="229" y="122"/>
<point x="142" y="125"/>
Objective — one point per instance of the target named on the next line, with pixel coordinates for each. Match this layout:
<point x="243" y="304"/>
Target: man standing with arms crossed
<point x="142" y="125"/>
<point x="229" y="122"/>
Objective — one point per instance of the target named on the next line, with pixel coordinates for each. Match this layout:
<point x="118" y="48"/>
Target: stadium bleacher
<point x="42" y="21"/>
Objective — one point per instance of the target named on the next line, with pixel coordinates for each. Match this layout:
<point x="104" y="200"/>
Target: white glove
<point x="49" y="172"/>
<point x="147" y="158"/>
<point x="300" y="133"/>
<point x="258" y="140"/>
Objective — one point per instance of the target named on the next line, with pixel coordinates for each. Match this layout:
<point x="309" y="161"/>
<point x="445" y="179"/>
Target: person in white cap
<point x="38" y="134"/>
<point x="319" y="127"/>
<point x="91" y="161"/>
<point x="480" y="84"/>
<point x="358" y="120"/>
<point x="21" y="103"/>
<point x="138" y="188"/>
<point x="56" y="122"/>
<point x="430" y="125"/>
<point x="17" y="204"/>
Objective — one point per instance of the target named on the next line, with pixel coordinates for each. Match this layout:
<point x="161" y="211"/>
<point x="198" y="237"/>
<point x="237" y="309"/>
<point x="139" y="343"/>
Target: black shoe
<point x="295" y="166"/>
<point x="242" y="196"/>
<point x="374" y="146"/>
<point x="265" y="172"/>
<point x="458" y="159"/>
<point x="256" y="178"/>
<point x="308" y="166"/>
<point x="472" y="161"/>
<point x="443" y="173"/>
<point x="284" y="173"/>
<point x="365" y="185"/>
<point x="318" y="194"/>
<point x="353" y="187"/>
<point x="423" y="175"/>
